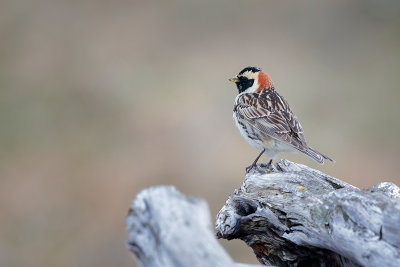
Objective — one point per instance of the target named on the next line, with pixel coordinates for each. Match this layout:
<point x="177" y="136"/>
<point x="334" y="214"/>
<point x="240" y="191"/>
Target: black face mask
<point x="243" y="83"/>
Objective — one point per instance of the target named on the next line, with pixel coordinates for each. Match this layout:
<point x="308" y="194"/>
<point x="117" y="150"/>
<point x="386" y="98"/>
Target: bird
<point x="265" y="120"/>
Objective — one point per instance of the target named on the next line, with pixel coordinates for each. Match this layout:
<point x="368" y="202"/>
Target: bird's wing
<point x="270" y="114"/>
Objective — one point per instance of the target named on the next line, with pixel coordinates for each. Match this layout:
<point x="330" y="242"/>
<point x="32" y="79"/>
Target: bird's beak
<point x="234" y="79"/>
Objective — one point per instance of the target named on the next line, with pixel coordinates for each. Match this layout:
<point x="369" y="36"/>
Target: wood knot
<point x="244" y="207"/>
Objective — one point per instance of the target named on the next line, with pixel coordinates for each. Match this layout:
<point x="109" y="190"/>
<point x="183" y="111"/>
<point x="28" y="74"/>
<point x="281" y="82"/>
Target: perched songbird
<point x="265" y="120"/>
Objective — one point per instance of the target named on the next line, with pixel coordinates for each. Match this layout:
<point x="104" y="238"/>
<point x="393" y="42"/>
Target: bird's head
<point x="252" y="79"/>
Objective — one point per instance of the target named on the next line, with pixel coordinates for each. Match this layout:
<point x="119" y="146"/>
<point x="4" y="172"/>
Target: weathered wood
<point x="167" y="229"/>
<point x="293" y="215"/>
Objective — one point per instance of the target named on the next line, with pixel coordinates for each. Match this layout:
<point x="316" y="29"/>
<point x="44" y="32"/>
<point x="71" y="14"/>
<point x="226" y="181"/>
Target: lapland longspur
<point x="265" y="120"/>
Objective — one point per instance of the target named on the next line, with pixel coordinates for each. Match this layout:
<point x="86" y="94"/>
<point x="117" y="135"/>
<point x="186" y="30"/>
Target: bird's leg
<point x="248" y="168"/>
<point x="269" y="164"/>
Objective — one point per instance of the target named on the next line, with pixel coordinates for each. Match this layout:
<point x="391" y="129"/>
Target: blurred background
<point x="100" y="99"/>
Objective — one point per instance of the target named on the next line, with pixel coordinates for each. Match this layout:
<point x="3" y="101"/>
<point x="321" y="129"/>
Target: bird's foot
<point x="250" y="167"/>
<point x="254" y="164"/>
<point x="269" y="165"/>
<point x="264" y="168"/>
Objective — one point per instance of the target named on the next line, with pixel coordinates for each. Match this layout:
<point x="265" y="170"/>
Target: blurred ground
<point x="99" y="99"/>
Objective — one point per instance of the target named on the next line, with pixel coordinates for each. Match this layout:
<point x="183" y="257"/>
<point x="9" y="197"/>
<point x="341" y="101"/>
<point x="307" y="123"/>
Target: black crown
<point x="252" y="69"/>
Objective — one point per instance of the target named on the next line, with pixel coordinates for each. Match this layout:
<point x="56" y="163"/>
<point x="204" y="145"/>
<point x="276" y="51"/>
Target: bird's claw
<point x="269" y="165"/>
<point x="250" y="167"/>
<point x="262" y="168"/>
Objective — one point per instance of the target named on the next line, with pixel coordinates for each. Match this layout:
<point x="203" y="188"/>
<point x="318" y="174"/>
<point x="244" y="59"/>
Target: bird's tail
<point x="317" y="156"/>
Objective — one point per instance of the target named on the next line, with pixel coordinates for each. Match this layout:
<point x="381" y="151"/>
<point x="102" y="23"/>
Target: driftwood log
<point x="168" y="229"/>
<point x="292" y="215"/>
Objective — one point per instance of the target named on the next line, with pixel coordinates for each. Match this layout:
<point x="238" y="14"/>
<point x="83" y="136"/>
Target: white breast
<point x="252" y="135"/>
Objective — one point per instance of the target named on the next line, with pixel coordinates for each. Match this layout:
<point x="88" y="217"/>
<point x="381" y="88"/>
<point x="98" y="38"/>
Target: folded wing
<point x="270" y="114"/>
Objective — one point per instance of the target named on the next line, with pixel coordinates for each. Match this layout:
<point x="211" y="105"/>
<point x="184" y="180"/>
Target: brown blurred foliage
<point x="99" y="99"/>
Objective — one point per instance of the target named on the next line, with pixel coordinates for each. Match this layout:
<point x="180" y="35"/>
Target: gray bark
<point x="167" y="229"/>
<point x="293" y="215"/>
